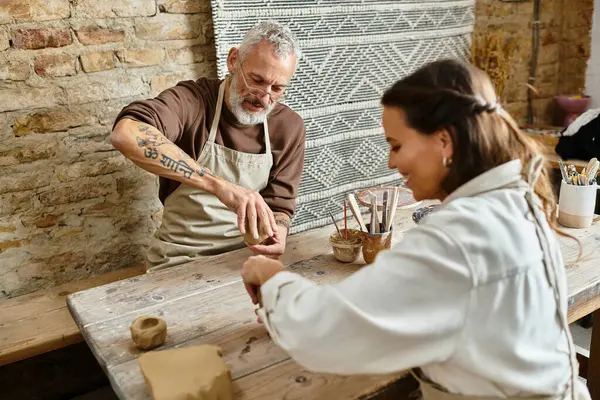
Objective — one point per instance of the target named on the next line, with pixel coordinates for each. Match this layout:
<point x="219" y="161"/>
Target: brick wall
<point x="564" y="50"/>
<point x="70" y="205"/>
<point x="593" y="70"/>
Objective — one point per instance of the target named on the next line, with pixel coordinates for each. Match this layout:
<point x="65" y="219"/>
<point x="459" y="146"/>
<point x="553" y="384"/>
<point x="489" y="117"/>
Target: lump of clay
<point x="194" y="373"/>
<point x="262" y="236"/>
<point x="148" y="332"/>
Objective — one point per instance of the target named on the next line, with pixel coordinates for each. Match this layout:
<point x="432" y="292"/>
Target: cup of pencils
<point x="577" y="198"/>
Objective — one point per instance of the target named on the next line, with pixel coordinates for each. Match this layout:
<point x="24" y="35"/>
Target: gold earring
<point x="446" y="161"/>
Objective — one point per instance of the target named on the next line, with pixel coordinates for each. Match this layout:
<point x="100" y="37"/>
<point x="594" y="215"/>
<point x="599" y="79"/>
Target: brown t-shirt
<point x="184" y="114"/>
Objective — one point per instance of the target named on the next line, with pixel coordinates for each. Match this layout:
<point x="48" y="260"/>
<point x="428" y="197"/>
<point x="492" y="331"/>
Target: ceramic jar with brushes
<point x="577" y="198"/>
<point x="346" y="243"/>
<point x="377" y="234"/>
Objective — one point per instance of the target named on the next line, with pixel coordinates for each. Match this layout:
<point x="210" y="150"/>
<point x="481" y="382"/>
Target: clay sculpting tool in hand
<point x="335" y="223"/>
<point x="374" y="215"/>
<point x="384" y="213"/>
<point x="356" y="212"/>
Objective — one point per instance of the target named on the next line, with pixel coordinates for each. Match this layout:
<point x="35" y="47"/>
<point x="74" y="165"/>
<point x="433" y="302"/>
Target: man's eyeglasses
<point x="273" y="97"/>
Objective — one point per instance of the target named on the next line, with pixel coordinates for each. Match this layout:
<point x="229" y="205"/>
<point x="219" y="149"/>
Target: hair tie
<point x="482" y="105"/>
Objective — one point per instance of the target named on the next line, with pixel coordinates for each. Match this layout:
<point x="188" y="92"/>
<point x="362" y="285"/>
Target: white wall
<point x="593" y="69"/>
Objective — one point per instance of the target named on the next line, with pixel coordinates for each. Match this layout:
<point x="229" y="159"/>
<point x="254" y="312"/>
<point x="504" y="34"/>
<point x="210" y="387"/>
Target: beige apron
<point x="195" y="223"/>
<point x="575" y="389"/>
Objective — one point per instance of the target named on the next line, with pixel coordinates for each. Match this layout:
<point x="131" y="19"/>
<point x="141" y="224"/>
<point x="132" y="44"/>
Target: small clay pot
<point x="148" y="332"/>
<point x="346" y="251"/>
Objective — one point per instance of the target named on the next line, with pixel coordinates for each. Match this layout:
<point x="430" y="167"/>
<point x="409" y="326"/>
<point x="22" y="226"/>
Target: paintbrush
<point x="356" y="211"/>
<point x="384" y="213"/>
<point x="335" y="223"/>
<point x="374" y="215"/>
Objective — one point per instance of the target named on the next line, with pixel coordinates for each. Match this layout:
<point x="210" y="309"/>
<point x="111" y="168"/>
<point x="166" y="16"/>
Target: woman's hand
<point x="256" y="271"/>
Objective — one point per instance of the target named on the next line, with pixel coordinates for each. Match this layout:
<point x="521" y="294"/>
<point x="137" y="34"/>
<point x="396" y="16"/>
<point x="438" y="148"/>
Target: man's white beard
<point x="245" y="117"/>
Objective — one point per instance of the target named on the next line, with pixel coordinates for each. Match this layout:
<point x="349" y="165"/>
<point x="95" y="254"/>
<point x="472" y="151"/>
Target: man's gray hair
<point x="280" y="36"/>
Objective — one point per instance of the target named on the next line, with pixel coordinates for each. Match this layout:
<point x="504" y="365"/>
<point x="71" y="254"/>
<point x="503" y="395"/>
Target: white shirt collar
<point x="495" y="178"/>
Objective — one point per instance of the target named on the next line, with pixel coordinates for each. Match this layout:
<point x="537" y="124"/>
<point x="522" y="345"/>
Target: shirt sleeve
<point x="172" y="112"/>
<point x="405" y="310"/>
<point x="281" y="192"/>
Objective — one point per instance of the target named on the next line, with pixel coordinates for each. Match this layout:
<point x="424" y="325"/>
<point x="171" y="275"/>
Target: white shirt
<point x="464" y="296"/>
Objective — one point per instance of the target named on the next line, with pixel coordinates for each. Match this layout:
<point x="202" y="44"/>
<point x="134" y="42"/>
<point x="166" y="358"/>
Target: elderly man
<point x="227" y="153"/>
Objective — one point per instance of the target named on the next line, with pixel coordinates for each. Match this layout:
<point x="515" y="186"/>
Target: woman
<point x="473" y="300"/>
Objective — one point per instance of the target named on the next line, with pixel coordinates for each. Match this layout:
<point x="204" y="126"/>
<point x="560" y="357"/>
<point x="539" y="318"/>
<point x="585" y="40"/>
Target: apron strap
<point x="215" y="123"/>
<point x="267" y="138"/>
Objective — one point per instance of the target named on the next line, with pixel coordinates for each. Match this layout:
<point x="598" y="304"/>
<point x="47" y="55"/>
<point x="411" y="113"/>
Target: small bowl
<point x="346" y="251"/>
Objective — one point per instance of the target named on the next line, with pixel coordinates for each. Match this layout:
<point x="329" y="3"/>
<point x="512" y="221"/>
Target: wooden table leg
<point x="593" y="375"/>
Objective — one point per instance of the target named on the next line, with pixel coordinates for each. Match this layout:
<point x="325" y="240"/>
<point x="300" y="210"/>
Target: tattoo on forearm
<point x="150" y="153"/>
<point x="153" y="140"/>
<point x="177" y="166"/>
<point x="283" y="222"/>
<point x="204" y="171"/>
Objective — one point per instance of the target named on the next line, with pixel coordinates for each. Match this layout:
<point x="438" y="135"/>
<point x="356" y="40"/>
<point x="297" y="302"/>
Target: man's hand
<point x="274" y="247"/>
<point x="248" y="205"/>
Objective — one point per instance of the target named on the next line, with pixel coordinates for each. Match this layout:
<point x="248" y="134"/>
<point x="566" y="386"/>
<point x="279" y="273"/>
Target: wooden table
<point x="205" y="302"/>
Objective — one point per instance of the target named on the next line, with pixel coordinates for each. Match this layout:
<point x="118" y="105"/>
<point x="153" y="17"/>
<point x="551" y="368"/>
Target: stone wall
<point x="565" y="27"/>
<point x="70" y="205"/>
<point x="593" y="71"/>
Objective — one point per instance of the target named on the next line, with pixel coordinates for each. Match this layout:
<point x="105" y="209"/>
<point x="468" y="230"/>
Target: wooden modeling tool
<point x="374" y="215"/>
<point x="395" y="197"/>
<point x="356" y="212"/>
<point x="384" y="213"/>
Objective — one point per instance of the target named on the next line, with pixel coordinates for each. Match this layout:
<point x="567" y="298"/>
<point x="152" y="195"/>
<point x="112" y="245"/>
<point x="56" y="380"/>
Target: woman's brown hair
<point x="458" y="97"/>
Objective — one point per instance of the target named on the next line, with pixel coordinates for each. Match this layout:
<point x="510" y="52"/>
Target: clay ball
<point x="262" y="236"/>
<point x="148" y="332"/>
